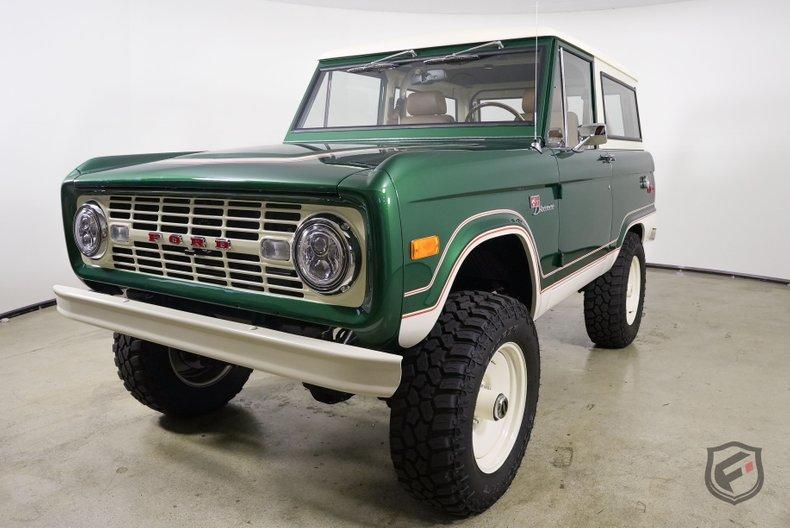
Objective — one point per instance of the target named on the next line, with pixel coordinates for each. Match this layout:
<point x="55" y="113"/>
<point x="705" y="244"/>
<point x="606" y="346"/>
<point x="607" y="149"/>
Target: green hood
<point x="275" y="168"/>
<point x="302" y="168"/>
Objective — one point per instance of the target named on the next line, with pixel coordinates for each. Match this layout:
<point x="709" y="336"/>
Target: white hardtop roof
<point x="468" y="37"/>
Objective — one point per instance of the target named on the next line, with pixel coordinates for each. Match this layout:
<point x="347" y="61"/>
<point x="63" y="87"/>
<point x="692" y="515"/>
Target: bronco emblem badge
<point x="734" y="472"/>
<point x="534" y="204"/>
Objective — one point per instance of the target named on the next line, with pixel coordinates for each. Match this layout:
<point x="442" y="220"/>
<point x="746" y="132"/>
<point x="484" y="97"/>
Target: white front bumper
<point x="325" y="363"/>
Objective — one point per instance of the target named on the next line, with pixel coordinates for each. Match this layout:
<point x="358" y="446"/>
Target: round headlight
<point x="90" y="230"/>
<point x="325" y="253"/>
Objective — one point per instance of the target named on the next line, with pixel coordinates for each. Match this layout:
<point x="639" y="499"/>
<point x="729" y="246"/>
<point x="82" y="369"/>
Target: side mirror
<point x="591" y="135"/>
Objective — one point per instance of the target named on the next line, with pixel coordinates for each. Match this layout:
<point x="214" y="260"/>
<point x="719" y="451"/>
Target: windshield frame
<point x="433" y="130"/>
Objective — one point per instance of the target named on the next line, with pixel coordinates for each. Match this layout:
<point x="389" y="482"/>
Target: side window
<point x="578" y="94"/>
<point x="620" y="110"/>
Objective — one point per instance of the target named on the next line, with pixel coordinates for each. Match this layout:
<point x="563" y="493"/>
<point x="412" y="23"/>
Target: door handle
<point x="606" y="158"/>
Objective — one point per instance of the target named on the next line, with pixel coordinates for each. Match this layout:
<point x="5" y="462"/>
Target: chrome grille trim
<point x="242" y="222"/>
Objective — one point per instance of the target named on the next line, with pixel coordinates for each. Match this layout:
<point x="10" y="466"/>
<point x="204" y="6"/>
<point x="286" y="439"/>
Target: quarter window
<point x="620" y="110"/>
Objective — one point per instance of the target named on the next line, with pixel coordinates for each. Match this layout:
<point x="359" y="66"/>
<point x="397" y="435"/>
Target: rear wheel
<point x="613" y="302"/>
<point x="462" y="416"/>
<point x="175" y="382"/>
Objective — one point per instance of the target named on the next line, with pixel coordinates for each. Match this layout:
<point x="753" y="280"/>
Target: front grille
<point x="244" y="223"/>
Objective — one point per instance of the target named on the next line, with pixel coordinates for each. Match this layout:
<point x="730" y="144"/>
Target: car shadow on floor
<point x="332" y="459"/>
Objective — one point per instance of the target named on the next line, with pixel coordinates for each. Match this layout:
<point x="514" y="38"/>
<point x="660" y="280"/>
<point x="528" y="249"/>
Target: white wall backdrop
<point x="95" y="77"/>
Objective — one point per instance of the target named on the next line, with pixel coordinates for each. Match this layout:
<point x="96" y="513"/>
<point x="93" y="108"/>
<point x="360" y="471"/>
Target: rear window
<point x="620" y="110"/>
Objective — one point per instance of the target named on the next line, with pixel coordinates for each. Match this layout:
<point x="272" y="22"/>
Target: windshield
<point x="488" y="88"/>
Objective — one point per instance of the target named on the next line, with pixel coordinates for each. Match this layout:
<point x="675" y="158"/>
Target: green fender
<point x="422" y="306"/>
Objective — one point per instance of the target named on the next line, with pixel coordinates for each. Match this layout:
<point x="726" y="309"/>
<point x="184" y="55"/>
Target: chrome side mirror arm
<point x="580" y="146"/>
<point x="592" y="135"/>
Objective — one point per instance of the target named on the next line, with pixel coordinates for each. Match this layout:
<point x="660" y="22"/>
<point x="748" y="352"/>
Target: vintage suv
<point x="429" y="202"/>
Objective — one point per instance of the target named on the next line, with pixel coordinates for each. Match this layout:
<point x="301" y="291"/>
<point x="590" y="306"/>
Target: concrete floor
<point x="620" y="438"/>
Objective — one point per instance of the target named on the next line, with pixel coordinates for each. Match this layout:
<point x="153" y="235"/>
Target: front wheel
<point x="462" y="416"/>
<point x="175" y="382"/>
<point x="613" y="302"/>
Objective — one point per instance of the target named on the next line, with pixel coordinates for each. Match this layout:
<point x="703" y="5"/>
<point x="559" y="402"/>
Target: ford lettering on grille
<point x="212" y="241"/>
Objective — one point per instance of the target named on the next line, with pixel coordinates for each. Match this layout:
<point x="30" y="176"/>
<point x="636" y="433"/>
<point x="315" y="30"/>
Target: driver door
<point x="585" y="177"/>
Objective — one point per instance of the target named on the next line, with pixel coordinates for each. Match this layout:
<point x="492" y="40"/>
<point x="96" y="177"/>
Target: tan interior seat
<point x="573" y="129"/>
<point x="528" y="106"/>
<point x="426" y="107"/>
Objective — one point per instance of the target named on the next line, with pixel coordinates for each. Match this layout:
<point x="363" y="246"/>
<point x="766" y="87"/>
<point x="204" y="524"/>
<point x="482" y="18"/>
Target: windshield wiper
<point x="464" y="55"/>
<point x="381" y="64"/>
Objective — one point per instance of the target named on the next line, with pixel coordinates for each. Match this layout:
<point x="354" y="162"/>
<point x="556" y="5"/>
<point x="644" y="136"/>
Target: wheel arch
<point x="640" y="221"/>
<point x="478" y="239"/>
<point x="638" y="229"/>
<point x="502" y="264"/>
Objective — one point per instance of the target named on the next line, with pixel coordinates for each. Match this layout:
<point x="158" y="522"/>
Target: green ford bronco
<point x="428" y="203"/>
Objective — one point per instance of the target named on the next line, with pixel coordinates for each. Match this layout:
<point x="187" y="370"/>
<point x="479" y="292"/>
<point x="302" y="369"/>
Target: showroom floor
<point x="620" y="438"/>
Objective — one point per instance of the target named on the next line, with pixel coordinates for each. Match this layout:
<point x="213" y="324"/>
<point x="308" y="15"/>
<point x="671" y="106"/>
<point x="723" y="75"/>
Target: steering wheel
<point x="503" y="106"/>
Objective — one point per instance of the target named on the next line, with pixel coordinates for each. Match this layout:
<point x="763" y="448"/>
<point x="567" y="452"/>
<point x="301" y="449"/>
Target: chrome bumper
<point x="328" y="364"/>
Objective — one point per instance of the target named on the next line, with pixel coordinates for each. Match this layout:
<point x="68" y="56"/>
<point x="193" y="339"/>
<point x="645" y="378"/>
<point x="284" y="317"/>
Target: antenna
<point x="535" y="91"/>
<point x="535" y="141"/>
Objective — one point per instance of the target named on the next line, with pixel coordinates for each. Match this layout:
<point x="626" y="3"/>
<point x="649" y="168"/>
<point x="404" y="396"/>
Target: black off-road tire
<point x="147" y="373"/>
<point x="605" y="299"/>
<point x="433" y="408"/>
<point x="327" y="396"/>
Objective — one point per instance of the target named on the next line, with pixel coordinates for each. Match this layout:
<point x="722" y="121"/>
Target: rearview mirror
<point x="591" y="135"/>
<point x="428" y="77"/>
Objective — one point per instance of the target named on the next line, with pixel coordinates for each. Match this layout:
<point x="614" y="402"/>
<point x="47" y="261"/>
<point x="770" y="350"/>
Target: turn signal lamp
<point x="275" y="249"/>
<point x="424" y="247"/>
<point x="119" y="233"/>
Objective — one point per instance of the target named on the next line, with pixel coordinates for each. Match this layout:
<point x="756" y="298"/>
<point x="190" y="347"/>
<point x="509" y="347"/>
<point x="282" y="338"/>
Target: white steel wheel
<point x="633" y="291"/>
<point x="197" y="371"/>
<point x="499" y="410"/>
